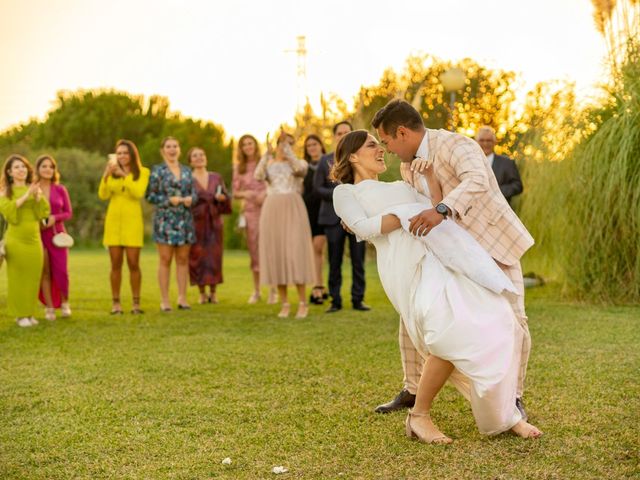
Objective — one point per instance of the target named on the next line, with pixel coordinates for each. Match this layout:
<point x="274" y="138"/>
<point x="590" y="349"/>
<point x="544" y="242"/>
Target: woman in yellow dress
<point x="124" y="183"/>
<point x="23" y="205"/>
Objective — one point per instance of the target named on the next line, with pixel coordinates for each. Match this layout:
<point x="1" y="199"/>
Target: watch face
<point x="440" y="208"/>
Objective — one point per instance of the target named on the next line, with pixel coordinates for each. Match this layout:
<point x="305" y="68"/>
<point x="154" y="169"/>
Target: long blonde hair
<point x="240" y="158"/>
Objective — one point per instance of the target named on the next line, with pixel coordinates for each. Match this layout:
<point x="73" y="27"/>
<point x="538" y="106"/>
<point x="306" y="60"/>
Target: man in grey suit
<point x="503" y="167"/>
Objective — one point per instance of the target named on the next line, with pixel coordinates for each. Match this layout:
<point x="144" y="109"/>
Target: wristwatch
<point x="442" y="209"/>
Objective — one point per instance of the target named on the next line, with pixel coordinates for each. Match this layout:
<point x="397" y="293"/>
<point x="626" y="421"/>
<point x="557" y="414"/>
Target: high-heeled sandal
<point x="438" y="439"/>
<point x="272" y="299"/>
<point x="50" y="314"/>
<point x="135" y="309"/>
<point x="303" y="310"/>
<point x="116" y="310"/>
<point x="254" y="298"/>
<point x="65" y="310"/>
<point x="284" y="311"/>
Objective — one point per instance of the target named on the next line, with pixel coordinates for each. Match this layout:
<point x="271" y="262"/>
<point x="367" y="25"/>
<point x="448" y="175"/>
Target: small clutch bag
<point x="62" y="239"/>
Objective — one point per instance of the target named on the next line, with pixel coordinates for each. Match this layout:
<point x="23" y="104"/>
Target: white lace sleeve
<point x="299" y="167"/>
<point x="348" y="208"/>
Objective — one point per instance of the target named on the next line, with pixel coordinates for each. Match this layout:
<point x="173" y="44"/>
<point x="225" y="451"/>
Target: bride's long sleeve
<point x="260" y="173"/>
<point x="348" y="208"/>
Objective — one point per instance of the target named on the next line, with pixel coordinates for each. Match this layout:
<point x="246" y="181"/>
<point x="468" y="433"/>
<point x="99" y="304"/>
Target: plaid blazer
<point x="471" y="191"/>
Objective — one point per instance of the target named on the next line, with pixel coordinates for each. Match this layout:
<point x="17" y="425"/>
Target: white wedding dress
<point x="448" y="291"/>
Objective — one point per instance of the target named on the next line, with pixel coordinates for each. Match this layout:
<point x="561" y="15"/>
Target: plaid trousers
<point x="412" y="361"/>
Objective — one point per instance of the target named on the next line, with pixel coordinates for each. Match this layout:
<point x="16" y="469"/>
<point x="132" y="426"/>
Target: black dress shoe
<point x="361" y="307"/>
<point x="403" y="400"/>
<point x="333" y="309"/>
<point x="520" y="406"/>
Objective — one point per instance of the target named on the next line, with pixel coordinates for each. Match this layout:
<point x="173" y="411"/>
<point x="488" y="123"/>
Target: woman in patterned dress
<point x="205" y="258"/>
<point x="172" y="191"/>
<point x="252" y="192"/>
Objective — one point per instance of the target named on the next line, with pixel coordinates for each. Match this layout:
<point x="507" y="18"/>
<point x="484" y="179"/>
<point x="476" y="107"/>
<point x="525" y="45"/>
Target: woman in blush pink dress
<point x="252" y="192"/>
<point x="54" y="285"/>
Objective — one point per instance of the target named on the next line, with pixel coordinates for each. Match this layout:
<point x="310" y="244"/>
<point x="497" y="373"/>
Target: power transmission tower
<point x="301" y="72"/>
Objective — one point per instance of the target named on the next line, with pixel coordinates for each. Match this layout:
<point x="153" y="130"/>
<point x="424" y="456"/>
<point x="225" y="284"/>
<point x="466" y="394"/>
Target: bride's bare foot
<point x="420" y="426"/>
<point x="526" y="430"/>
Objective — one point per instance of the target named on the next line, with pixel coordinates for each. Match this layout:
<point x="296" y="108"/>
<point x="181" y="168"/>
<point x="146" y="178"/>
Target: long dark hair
<point x="342" y="171"/>
<point x="6" y="182"/>
<point x="315" y="137"/>
<point x="56" y="172"/>
<point x="135" y="164"/>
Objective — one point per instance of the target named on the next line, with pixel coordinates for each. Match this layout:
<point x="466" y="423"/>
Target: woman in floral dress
<point x="172" y="191"/>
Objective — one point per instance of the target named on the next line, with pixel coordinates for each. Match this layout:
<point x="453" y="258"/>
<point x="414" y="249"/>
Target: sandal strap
<point x="418" y="414"/>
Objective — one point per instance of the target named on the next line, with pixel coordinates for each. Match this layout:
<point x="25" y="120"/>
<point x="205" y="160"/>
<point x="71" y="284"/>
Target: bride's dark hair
<point x="342" y="171"/>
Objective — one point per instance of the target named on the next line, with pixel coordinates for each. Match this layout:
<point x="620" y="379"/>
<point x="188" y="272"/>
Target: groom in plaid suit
<point x="472" y="198"/>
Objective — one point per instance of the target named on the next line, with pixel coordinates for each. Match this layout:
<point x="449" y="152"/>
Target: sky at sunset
<point x="226" y="61"/>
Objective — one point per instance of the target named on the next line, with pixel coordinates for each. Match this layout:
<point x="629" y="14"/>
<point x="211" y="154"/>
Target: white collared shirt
<point x="490" y="158"/>
<point x="423" y="148"/>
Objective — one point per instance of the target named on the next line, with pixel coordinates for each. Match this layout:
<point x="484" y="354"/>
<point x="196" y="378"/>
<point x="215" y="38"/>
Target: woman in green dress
<point x="23" y="206"/>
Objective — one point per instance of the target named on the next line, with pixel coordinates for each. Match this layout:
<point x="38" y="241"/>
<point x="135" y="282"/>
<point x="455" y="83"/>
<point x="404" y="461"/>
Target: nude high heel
<point x="284" y="312"/>
<point x="303" y="310"/>
<point x="439" y="439"/>
<point x="50" y="314"/>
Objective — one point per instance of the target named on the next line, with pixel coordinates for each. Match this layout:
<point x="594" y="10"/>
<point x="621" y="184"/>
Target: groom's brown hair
<point x="397" y="113"/>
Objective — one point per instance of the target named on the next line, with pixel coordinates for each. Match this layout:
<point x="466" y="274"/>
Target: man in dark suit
<point x="503" y="167"/>
<point x="336" y="235"/>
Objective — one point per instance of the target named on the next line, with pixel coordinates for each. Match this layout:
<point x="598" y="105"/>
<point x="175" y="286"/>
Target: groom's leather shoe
<point x="520" y="406"/>
<point x="403" y="400"/>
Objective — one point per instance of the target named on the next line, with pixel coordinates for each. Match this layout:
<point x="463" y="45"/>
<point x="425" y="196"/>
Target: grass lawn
<point x="171" y="395"/>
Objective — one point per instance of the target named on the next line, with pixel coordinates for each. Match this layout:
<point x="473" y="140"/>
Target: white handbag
<point x="62" y="239"/>
<point x="241" y="223"/>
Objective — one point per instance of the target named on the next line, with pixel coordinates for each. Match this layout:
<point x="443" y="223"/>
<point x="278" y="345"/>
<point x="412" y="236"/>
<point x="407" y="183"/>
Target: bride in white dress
<point x="447" y="289"/>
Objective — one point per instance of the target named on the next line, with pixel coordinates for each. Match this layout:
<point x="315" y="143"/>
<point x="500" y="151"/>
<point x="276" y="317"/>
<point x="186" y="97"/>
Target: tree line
<point x="580" y="164"/>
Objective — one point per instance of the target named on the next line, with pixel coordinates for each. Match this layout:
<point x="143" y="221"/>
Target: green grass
<point x="171" y="395"/>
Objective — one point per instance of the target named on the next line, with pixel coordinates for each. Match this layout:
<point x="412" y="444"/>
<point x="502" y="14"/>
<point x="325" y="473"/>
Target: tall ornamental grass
<point x="603" y="205"/>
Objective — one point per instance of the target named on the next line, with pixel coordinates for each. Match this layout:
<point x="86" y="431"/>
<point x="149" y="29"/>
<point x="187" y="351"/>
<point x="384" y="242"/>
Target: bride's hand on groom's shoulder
<point x="406" y="173"/>
<point x="421" y="165"/>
